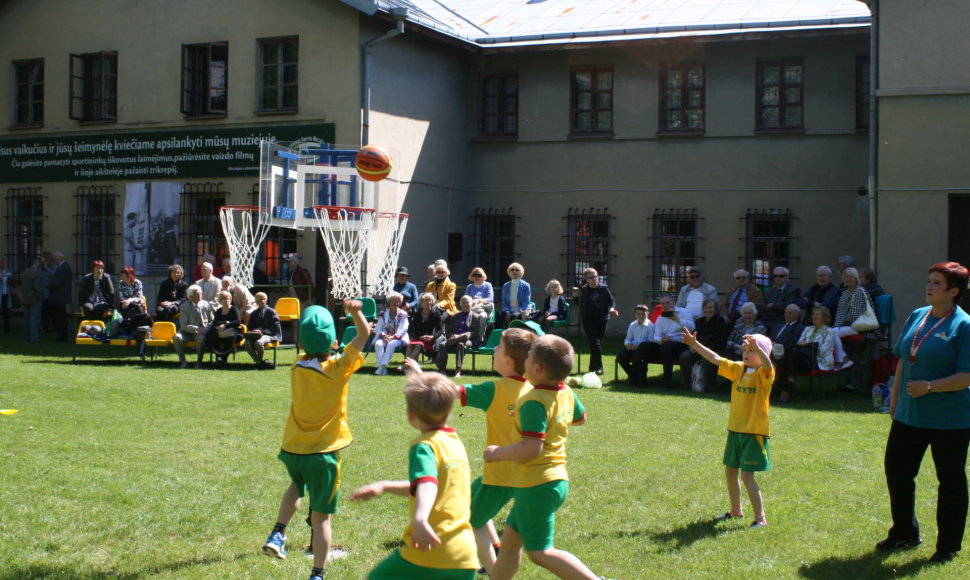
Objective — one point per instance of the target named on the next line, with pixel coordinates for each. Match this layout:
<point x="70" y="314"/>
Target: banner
<point x="151" y="226"/>
<point x="211" y="152"/>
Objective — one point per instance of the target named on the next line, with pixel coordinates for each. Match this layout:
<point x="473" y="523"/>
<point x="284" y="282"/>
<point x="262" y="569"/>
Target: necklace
<point x="915" y="346"/>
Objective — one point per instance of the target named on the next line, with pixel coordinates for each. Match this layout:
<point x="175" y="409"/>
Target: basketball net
<point x="346" y="233"/>
<point x="245" y="234"/>
<point x="383" y="251"/>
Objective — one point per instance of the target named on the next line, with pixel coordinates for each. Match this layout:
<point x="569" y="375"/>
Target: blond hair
<point x="554" y="354"/>
<point x="430" y="397"/>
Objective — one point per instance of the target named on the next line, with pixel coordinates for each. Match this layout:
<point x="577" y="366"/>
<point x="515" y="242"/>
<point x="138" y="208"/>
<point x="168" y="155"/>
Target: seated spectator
<point x="197" y="272"/>
<point x="867" y="279"/>
<point x="224" y="331"/>
<point x="844" y="262"/>
<point x="744" y="291"/>
<point x="667" y="337"/>
<point x="171" y="294"/>
<point x="263" y="328"/>
<point x="747" y="324"/>
<point x="460" y="334"/>
<point x="814" y="350"/>
<point x="425" y="328"/>
<point x="786" y="334"/>
<point x="226" y="268"/>
<point x="553" y="307"/>
<point x="516" y="297"/>
<point x="822" y="293"/>
<point x="97" y="292"/>
<point x="241" y="298"/>
<point x="639" y="334"/>
<point x="712" y="332"/>
<point x="481" y="292"/>
<point x="777" y="297"/>
<point x="404" y="287"/>
<point x="391" y="332"/>
<point x="443" y="289"/>
<point x="852" y="304"/>
<point x="132" y="306"/>
<point x="196" y="316"/>
<point x="693" y="294"/>
<point x="210" y="285"/>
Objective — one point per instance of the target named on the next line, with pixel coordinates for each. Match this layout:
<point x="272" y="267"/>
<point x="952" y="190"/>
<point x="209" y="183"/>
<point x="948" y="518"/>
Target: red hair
<point x="97" y="263"/>
<point x="130" y="271"/>
<point x="955" y="274"/>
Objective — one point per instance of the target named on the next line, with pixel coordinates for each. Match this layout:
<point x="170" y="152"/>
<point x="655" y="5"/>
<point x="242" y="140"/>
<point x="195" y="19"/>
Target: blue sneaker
<point x="316" y="577"/>
<point x="274" y="545"/>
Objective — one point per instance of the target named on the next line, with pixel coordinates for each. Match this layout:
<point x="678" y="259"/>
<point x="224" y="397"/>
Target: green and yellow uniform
<point x="437" y="456"/>
<point x="546" y="413"/>
<point x="748" y="425"/>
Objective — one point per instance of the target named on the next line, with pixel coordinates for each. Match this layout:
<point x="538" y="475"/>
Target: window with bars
<point x="95" y="229"/>
<point x="588" y="235"/>
<point x="28" y="95"/>
<point x="682" y="98"/>
<point x="201" y="230"/>
<point x="500" y="105"/>
<point x="278" y="243"/>
<point x="592" y="101"/>
<point x="493" y="243"/>
<point x="780" y="91"/>
<point x="862" y="85"/>
<point x="94" y="86"/>
<point x="204" y="79"/>
<point x="278" y="74"/>
<point x="769" y="242"/>
<point x="675" y="241"/>
<point x="25" y="226"/>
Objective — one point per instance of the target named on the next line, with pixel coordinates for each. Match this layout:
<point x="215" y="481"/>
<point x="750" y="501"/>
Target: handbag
<point x="866" y="321"/>
<point x="227" y="332"/>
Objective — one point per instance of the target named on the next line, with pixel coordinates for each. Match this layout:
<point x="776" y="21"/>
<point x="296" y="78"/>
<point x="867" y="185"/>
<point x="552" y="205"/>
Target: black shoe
<point x="939" y="557"/>
<point x="890" y="545"/>
<point x="598" y="371"/>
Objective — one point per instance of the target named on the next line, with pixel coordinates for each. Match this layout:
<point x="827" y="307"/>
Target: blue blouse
<point x="484" y="291"/>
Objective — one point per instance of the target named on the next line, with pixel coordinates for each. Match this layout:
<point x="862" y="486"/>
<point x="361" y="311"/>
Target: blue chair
<point x="886" y="314"/>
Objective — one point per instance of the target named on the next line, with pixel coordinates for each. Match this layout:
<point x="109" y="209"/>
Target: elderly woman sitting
<point x="392" y="331"/>
<point x="815" y="349"/>
<point x="481" y="292"/>
<point x="424" y="329"/>
<point x="747" y="324"/>
<point x="852" y="304"/>
<point x="242" y="299"/>
<point x="225" y="329"/>
<point x="461" y="333"/>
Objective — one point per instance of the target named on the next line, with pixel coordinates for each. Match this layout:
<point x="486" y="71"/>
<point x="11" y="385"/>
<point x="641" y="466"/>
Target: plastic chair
<point x="886" y="314"/>
<point x="489" y="347"/>
<point x="561" y="322"/>
<point x="368" y="307"/>
<point x="162" y="333"/>
<point x="287" y="308"/>
<point x="527" y="325"/>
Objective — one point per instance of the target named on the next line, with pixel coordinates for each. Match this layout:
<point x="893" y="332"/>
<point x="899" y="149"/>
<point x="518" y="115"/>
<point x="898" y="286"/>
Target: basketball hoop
<point x="384" y="249"/>
<point x="346" y="233"/>
<point x="245" y="232"/>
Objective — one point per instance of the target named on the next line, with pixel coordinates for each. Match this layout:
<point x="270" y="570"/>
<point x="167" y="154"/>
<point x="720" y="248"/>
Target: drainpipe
<point x="873" y="184"/>
<point x="399" y="15"/>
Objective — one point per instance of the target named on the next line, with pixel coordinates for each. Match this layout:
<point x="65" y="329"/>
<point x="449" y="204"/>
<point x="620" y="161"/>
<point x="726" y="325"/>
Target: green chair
<point x="350" y="333"/>
<point x="368" y="308"/>
<point x="489" y="348"/>
<point x="562" y="322"/>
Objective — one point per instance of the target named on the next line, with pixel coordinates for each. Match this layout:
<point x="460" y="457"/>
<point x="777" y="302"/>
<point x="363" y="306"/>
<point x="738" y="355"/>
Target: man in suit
<point x="744" y="291"/>
<point x="61" y="295"/>
<point x="196" y="316"/>
<point x="461" y="332"/>
<point x="789" y="331"/>
<point x="263" y="327"/>
<point x="777" y="298"/>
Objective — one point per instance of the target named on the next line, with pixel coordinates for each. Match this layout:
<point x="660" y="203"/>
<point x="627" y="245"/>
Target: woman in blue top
<point x="481" y="292"/>
<point x="930" y="407"/>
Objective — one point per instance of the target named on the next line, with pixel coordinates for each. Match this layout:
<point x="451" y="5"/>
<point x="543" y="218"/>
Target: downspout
<point x="399" y="15"/>
<point x="873" y="184"/>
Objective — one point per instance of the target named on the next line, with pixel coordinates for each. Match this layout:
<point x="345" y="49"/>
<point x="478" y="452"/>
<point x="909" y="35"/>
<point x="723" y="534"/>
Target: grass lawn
<point x="118" y="469"/>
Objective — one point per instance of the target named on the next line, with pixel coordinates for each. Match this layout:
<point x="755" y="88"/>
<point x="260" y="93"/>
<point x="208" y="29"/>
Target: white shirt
<point x="695" y="303"/>
<point x="514" y="298"/>
<point x="672" y="329"/>
<point x="638" y="333"/>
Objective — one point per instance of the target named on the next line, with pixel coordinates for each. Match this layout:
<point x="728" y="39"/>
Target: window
<point x="278" y="243"/>
<point x="204" y="86"/>
<point x="25" y="226"/>
<point x="28" y="98"/>
<point x="94" y="86"/>
<point x="862" y="85"/>
<point x="493" y="243"/>
<point x="587" y="244"/>
<point x="780" y="104"/>
<point x="674" y="247"/>
<point x="201" y="231"/>
<point x="768" y="243"/>
<point x="592" y="101"/>
<point x="500" y="105"/>
<point x="278" y="79"/>
<point x="95" y="227"/>
<point x="682" y="98"/>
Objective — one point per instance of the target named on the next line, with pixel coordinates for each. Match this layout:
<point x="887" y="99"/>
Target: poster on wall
<point x="151" y="226"/>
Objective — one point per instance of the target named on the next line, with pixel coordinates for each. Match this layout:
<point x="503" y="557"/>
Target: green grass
<point x="114" y="469"/>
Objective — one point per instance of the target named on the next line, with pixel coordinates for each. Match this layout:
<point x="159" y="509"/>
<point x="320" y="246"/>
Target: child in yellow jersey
<point x="438" y="541"/>
<point x="317" y="429"/>
<point x="543" y="416"/>
<point x="746" y="449"/>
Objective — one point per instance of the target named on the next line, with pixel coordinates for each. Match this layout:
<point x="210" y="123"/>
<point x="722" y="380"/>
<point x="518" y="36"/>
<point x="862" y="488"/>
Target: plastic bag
<point x="697" y="377"/>
<point x="592" y="381"/>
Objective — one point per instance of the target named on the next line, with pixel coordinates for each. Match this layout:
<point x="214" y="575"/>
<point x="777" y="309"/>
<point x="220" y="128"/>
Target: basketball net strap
<point x="383" y="252"/>
<point x="346" y="235"/>
<point x="244" y="234"/>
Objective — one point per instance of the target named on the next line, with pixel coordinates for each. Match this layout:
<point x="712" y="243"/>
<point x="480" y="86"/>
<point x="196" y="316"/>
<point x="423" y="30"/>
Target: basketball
<point x="373" y="163"/>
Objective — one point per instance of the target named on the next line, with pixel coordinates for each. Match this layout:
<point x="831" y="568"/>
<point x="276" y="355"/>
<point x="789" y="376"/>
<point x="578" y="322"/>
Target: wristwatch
<point x="929" y="387"/>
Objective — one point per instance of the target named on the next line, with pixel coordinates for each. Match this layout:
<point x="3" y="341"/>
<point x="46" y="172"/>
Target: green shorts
<point x="318" y="474"/>
<point x="394" y="566"/>
<point x="534" y="514"/>
<point x="747" y="452"/>
<point x="487" y="501"/>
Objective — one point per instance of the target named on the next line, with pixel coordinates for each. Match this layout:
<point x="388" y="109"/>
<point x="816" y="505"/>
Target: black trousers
<point x="58" y="314"/>
<point x="633" y="362"/>
<point x="669" y="352"/>
<point x="595" y="331"/>
<point x="904" y="452"/>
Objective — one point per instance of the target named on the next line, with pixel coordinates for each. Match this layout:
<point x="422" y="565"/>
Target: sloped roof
<point x="519" y="22"/>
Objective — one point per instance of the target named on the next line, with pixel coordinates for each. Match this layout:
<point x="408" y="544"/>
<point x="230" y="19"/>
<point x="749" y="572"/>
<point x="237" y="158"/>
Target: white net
<point x="383" y="251"/>
<point x="346" y="233"/>
<point x="244" y="233"/>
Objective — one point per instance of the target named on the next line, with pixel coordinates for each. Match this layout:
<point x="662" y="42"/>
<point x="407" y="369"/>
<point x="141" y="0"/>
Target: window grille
<point x="201" y="230"/>
<point x="768" y="243"/>
<point x="493" y="243"/>
<point x="675" y="247"/>
<point x="95" y="232"/>
<point x="25" y="227"/>
<point x="588" y="235"/>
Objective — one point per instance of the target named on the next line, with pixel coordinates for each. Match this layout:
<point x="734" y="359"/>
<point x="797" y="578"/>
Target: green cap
<point x="317" y="331"/>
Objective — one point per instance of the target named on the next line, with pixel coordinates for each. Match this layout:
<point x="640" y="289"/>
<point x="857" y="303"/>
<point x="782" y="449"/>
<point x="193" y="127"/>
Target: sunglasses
<point x="477" y="275"/>
<point x="514" y="270"/>
<point x="781" y="275"/>
<point x="740" y="277"/>
<point x="693" y="276"/>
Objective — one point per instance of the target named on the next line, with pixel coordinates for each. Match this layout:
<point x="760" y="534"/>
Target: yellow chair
<point x="162" y="333"/>
<point x="288" y="309"/>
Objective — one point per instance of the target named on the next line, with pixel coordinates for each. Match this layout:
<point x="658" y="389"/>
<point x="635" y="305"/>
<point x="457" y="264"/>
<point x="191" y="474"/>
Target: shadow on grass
<point x="148" y="365"/>
<point x="871" y="565"/>
<point x="65" y="571"/>
<point x="678" y="538"/>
